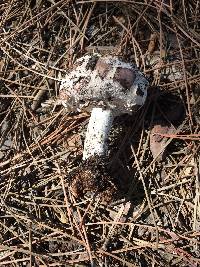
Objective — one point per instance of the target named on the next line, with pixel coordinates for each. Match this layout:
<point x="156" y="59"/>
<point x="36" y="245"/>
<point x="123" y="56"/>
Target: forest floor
<point x="153" y="219"/>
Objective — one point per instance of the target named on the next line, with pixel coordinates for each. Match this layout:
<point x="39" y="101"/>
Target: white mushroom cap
<point x="105" y="82"/>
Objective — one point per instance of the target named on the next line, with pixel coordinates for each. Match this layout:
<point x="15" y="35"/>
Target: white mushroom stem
<point x="97" y="133"/>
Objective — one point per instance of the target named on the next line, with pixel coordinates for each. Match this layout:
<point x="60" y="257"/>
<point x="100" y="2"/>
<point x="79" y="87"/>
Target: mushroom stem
<point x="97" y="133"/>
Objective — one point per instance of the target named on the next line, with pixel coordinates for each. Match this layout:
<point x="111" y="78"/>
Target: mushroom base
<point x="93" y="177"/>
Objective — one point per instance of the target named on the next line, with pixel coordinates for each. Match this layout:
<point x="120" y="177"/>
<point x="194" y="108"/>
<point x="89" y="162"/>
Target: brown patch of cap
<point x="102" y="68"/>
<point x="125" y="77"/>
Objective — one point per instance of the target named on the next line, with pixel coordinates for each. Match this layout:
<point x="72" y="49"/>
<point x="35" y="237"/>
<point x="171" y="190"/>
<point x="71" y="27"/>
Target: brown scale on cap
<point x="125" y="77"/>
<point x="102" y="68"/>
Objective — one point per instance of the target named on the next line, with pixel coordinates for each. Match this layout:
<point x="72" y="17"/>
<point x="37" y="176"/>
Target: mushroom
<point x="107" y="87"/>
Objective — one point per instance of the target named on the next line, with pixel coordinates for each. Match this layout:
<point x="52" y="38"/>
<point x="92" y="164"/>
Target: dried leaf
<point x="157" y="141"/>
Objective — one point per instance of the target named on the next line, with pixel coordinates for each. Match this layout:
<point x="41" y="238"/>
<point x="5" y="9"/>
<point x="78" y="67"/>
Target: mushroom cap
<point x="103" y="81"/>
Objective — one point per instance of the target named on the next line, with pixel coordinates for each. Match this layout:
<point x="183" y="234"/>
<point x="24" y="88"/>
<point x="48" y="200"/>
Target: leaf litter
<point x="150" y="213"/>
